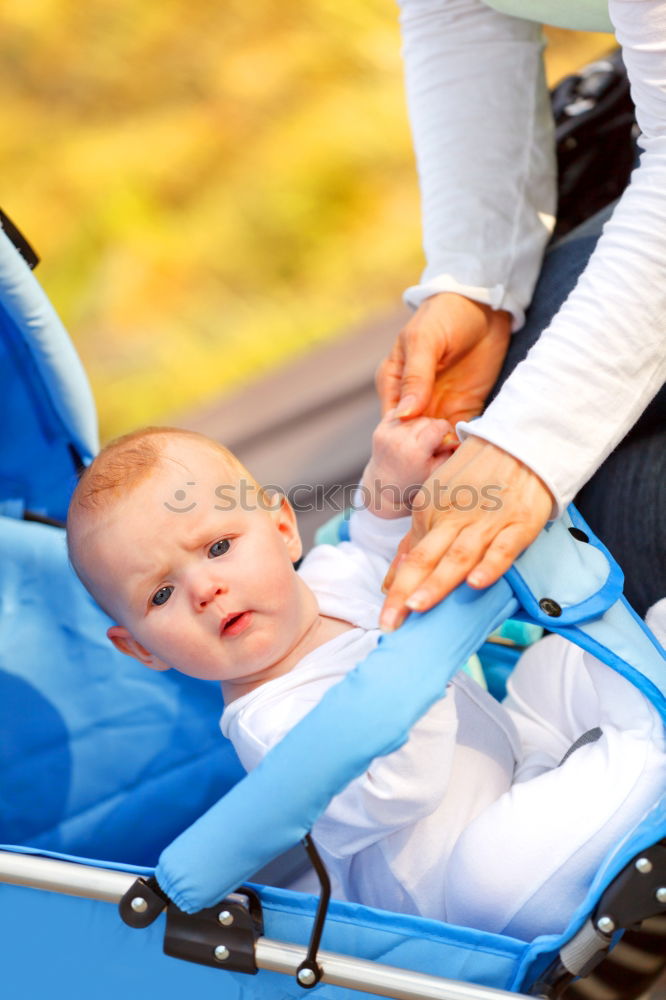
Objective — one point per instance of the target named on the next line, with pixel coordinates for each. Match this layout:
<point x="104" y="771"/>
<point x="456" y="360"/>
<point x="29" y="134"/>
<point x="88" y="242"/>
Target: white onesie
<point x="410" y="834"/>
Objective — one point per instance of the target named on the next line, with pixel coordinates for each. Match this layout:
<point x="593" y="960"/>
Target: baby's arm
<point x="397" y="790"/>
<point x="404" y="453"/>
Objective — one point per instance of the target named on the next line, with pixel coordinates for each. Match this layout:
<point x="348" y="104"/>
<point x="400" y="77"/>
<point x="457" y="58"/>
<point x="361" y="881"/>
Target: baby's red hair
<point x="128" y="460"/>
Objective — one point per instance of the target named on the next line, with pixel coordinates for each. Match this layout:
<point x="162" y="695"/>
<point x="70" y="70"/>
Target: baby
<point x="193" y="561"/>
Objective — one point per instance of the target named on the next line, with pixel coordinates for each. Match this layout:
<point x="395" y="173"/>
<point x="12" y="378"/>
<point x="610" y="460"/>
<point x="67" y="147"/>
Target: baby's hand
<point x="404" y="453"/>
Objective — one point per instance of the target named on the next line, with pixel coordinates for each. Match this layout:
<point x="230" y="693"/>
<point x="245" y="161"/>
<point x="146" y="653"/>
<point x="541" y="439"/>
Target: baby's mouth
<point x="236" y="623"/>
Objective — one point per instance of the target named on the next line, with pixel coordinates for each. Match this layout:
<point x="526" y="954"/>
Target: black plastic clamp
<point x="222" y="936"/>
<point x="637" y="893"/>
<point x="142" y="903"/>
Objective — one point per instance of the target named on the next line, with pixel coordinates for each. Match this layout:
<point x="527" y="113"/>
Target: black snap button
<point x="579" y="535"/>
<point x="550" y="607"/>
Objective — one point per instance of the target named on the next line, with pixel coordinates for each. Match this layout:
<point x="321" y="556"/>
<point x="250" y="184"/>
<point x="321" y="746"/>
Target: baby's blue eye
<point x="162" y="595"/>
<point x="219" y="548"/>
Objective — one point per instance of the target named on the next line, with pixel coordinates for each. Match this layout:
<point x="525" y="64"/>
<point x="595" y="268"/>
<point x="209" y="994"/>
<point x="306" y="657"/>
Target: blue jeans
<point x="625" y="501"/>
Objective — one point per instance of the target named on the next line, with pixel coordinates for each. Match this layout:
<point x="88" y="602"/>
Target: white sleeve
<point x="347" y="578"/>
<point x="397" y="790"/>
<point x="483" y="136"/>
<point x="378" y="535"/>
<point x="594" y="370"/>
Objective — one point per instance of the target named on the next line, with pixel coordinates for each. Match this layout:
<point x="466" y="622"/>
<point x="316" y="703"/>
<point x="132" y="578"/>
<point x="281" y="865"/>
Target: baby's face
<point x="198" y="575"/>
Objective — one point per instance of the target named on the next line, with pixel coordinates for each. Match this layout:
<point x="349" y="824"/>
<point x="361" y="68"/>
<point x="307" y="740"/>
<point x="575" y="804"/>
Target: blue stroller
<point x="117" y="787"/>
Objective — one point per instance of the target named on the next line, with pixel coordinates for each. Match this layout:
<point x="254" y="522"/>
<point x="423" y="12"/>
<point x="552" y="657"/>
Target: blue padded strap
<point x="620" y="639"/>
<point x="268" y="812"/>
<point x="581" y="577"/>
<point x="586" y="582"/>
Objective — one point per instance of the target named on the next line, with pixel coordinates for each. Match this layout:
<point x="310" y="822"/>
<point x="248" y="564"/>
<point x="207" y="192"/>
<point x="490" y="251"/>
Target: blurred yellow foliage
<point x="212" y="187"/>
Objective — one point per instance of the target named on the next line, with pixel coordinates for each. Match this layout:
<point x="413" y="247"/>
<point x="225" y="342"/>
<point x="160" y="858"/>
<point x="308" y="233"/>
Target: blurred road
<point x="310" y="422"/>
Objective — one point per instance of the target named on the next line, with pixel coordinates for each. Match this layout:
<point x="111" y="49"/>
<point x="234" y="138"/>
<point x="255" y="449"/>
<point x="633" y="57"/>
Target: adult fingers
<point x="502" y="552"/>
<point x="473" y="557"/>
<point x="421" y="357"/>
<point x="432" y="569"/>
<point x="388" y="380"/>
<point x="403" y="548"/>
<point x="447" y="556"/>
<point x="479" y="542"/>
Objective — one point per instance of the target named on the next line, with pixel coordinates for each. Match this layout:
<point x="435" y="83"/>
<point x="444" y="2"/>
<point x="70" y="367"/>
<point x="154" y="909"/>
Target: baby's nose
<point x="207" y="593"/>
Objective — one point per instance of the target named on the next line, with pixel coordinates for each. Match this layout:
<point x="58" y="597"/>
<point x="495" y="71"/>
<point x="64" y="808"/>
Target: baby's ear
<point x="125" y="642"/>
<point x="285" y="521"/>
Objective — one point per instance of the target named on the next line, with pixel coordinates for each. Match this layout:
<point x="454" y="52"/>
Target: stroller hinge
<point x="577" y="958"/>
<point x="142" y="903"/>
<point x="637" y="893"/>
<point x="223" y="935"/>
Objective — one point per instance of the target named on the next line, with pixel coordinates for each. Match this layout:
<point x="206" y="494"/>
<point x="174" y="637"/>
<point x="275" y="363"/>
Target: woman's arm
<point x="483" y="136"/>
<point x="594" y="370"/>
<point x="584" y="383"/>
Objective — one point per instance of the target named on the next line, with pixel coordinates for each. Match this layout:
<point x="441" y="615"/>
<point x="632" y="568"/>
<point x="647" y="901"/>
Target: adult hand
<point x="445" y="360"/>
<point x="508" y="506"/>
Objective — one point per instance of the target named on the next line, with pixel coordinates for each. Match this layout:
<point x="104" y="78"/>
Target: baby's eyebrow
<point x="142" y="583"/>
<point x="206" y="537"/>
